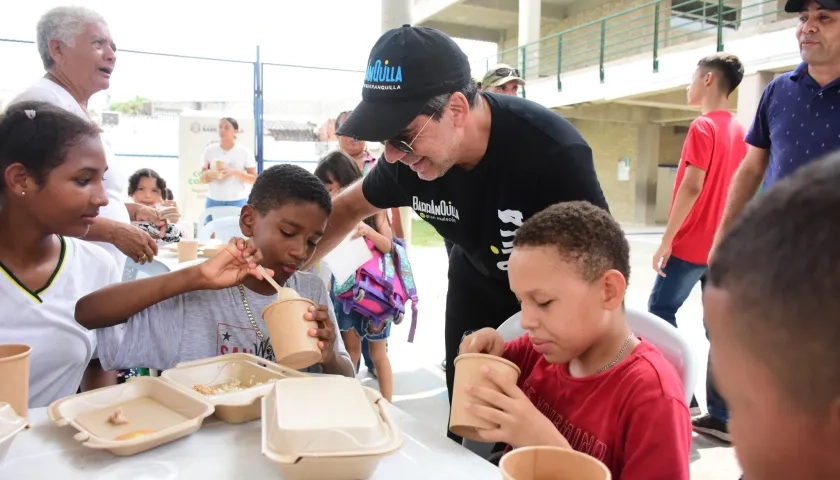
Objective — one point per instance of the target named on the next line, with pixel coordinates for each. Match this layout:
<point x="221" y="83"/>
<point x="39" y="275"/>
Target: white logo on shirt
<point x="508" y="217"/>
<point x="442" y="211"/>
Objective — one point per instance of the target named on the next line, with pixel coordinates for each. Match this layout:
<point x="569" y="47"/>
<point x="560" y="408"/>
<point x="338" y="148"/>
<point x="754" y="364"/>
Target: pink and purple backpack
<point x="380" y="289"/>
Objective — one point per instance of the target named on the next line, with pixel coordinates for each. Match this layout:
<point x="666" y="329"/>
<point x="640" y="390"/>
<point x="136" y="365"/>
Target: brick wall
<point x="611" y="141"/>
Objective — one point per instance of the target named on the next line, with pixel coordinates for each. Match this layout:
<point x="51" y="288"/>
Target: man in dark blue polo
<point x="798" y="120"/>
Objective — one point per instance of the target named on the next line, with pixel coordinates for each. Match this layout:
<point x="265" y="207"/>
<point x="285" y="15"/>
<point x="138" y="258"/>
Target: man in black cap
<point x="473" y="165"/>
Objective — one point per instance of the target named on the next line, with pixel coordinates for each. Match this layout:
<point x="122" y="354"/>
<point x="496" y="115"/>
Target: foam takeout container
<point x="344" y="438"/>
<point x="255" y="375"/>
<point x="155" y="410"/>
<point x="10" y="425"/>
<point x="167" y="408"/>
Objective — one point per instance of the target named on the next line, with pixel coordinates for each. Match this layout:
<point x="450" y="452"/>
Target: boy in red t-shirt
<point x="772" y="306"/>
<point x="712" y="152"/>
<point x="587" y="382"/>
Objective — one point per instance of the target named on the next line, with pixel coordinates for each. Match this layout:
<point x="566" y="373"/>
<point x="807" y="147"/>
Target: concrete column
<point x="749" y="95"/>
<point x="396" y="13"/>
<point x="645" y="173"/>
<point x="759" y="12"/>
<point x="529" y="32"/>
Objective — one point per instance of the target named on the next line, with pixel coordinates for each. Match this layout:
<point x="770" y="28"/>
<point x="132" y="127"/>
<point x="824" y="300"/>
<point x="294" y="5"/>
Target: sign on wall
<point x="196" y="132"/>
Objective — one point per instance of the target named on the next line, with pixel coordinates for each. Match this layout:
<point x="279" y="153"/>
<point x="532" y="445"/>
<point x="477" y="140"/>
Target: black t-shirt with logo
<point x="535" y="158"/>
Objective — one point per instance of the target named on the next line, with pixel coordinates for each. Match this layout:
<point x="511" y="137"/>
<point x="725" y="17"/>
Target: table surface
<point x="221" y="451"/>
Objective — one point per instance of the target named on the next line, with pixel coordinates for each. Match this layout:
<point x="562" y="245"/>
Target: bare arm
<point x="348" y="209"/>
<point x="396" y="223"/>
<point x="381" y="237"/>
<point x="102" y="230"/>
<point x="116" y="303"/>
<point x="687" y="195"/>
<point x="744" y="186"/>
<point x="249" y="176"/>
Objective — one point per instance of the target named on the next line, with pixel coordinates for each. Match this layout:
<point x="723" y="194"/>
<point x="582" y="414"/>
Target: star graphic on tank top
<point x="226" y="336"/>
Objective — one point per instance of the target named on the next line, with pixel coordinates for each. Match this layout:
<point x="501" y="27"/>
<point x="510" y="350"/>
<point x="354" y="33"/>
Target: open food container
<point x="345" y="437"/>
<point x="234" y="383"/>
<point x="10" y="425"/>
<point x="136" y="416"/>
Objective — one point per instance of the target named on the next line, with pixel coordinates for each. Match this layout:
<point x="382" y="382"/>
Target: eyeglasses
<point x="407" y="148"/>
<point x="507" y="72"/>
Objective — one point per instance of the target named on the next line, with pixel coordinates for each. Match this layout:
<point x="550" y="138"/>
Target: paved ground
<point x="419" y="383"/>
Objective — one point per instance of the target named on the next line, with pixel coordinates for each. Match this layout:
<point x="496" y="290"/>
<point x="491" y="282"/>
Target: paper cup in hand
<point x="534" y="463"/>
<point x="220" y="165"/>
<point x="14" y="377"/>
<point x="289" y="331"/>
<point x="187" y="250"/>
<point x="468" y="372"/>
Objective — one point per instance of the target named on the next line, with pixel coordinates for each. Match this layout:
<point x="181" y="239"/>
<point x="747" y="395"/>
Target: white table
<point x="221" y="451"/>
<point x="170" y="259"/>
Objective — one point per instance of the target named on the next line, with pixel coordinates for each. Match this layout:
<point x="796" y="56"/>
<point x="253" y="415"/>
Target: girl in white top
<point x="53" y="164"/>
<point x="146" y="187"/>
<point x="228" y="168"/>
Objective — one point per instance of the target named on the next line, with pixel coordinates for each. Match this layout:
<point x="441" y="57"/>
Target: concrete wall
<point x="611" y="141"/>
<point x="626" y="35"/>
<point x="670" y="145"/>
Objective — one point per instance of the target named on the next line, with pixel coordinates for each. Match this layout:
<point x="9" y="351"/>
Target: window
<point x="685" y="12"/>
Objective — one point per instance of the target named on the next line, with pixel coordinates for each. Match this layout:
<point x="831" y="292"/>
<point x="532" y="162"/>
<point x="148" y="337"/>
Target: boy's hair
<point x="337" y="167"/>
<point x="134" y="181"/>
<point x="282" y="184"/>
<point x="583" y="234"/>
<point x="728" y="67"/>
<point x="38" y="136"/>
<point x="780" y="268"/>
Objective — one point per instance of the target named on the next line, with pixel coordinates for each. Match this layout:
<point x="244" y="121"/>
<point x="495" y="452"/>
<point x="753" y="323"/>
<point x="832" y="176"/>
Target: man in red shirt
<point x="713" y="150"/>
<point x="587" y="382"/>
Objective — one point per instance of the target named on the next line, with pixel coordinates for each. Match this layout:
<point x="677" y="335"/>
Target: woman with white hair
<point x="79" y="56"/>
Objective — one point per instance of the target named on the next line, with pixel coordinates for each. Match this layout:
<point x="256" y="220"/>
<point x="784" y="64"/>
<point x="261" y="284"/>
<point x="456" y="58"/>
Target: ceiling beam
<point x="469" y="32"/>
<point x="547" y="10"/>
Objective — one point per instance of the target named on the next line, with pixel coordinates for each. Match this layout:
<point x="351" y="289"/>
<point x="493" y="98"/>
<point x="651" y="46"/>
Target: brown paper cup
<point x="535" y="463"/>
<point x="289" y="333"/>
<point x="14" y="377"/>
<point x="187" y="250"/>
<point x="468" y="372"/>
<point x="220" y="165"/>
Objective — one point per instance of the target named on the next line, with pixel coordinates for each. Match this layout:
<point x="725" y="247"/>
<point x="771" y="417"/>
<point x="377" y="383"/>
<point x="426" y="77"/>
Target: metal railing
<point x="644" y="30"/>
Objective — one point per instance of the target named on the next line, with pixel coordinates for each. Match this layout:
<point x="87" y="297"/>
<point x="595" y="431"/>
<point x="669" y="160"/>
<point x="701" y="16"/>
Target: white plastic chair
<point x="646" y="325"/>
<point x="133" y="269"/>
<point x="223" y="228"/>
<point x="217" y="213"/>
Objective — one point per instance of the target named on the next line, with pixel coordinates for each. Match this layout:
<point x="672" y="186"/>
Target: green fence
<point x="644" y="30"/>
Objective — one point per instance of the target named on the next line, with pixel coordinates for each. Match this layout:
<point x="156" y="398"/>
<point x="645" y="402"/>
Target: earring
<point x="23" y="193"/>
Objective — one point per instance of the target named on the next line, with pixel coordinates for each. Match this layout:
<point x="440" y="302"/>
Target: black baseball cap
<point x="796" y="6"/>
<point x="407" y="67"/>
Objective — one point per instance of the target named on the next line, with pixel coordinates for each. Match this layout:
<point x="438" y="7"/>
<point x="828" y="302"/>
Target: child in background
<point x="771" y="307"/>
<point x="187" y="230"/>
<point x="53" y="164"/>
<point x="337" y="171"/>
<point x="587" y="382"/>
<point x="146" y="187"/>
<point x="214" y="308"/>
